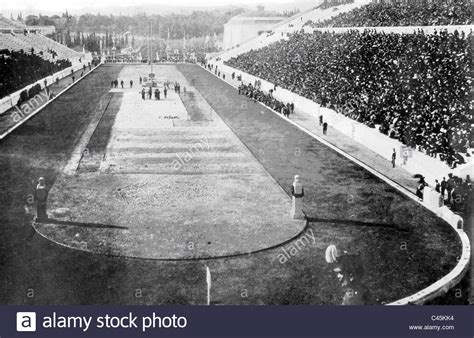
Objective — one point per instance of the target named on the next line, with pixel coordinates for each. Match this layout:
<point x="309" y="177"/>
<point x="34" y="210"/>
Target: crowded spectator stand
<point x="394" y="13"/>
<point x="18" y="68"/>
<point x="29" y="59"/>
<point x="413" y="87"/>
<point x="278" y="99"/>
<point x="410" y="84"/>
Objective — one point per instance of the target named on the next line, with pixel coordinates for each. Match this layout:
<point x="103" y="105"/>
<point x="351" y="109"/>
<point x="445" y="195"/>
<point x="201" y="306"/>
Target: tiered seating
<point x="292" y="25"/>
<point x="28" y="57"/>
<point x="414" y="87"/>
<point x="334" y="3"/>
<point x="413" y="13"/>
<point x="39" y="43"/>
<point x="10" y="25"/>
<point x="19" y="69"/>
<point x="45" y="43"/>
<point x="14" y="36"/>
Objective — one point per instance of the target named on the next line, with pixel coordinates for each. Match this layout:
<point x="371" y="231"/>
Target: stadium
<point x="325" y="160"/>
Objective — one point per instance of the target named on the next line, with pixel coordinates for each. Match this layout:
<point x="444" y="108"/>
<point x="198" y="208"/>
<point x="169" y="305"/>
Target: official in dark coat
<point x="41" y="198"/>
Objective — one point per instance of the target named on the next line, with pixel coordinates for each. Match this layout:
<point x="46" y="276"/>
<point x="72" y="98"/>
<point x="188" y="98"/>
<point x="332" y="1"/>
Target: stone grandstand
<point x="16" y="36"/>
<point x="432" y="168"/>
<point x="293" y="24"/>
<point x="18" y="40"/>
<point x="275" y="59"/>
<point x="7" y="25"/>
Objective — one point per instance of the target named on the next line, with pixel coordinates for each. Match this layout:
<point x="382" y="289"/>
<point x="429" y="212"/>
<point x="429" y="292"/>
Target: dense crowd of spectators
<point x="254" y="92"/>
<point x="19" y="69"/>
<point x="412" y="13"/>
<point x="457" y="193"/>
<point x="413" y="87"/>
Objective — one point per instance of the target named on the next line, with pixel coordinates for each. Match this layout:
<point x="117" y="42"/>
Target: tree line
<point x="195" y="24"/>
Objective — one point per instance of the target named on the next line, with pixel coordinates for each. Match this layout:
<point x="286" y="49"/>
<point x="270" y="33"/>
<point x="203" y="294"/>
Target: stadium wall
<point x="381" y="144"/>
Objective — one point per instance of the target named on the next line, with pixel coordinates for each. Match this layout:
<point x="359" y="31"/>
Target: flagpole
<point x="149" y="47"/>
<point x="208" y="282"/>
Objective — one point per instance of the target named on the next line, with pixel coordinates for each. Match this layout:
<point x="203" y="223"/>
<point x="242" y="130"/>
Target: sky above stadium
<point x="72" y="5"/>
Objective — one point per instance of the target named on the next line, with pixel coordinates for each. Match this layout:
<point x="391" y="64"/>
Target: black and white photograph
<point x="221" y="152"/>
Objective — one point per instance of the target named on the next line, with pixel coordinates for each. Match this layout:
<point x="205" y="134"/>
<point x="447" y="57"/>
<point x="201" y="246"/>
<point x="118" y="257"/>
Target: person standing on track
<point x="41" y="197"/>
<point x="444" y="186"/>
<point x="325" y="128"/>
<point x="394" y="158"/>
<point x="450" y="186"/>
